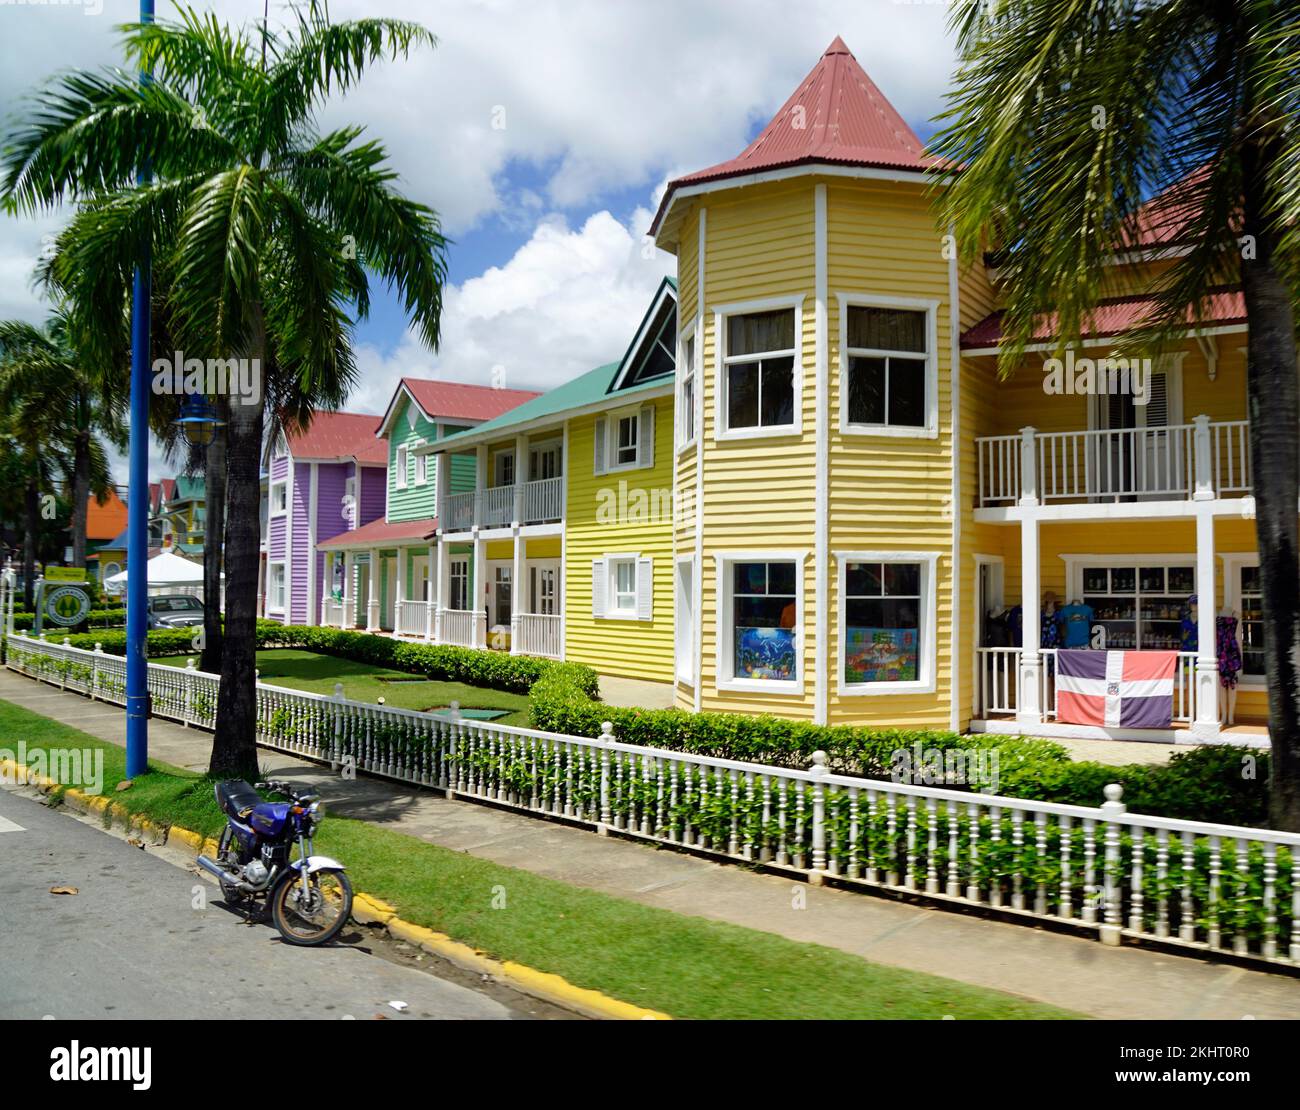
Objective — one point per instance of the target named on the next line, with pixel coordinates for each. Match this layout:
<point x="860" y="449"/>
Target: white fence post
<point x="94" y="669"/>
<point x="1028" y="466"/>
<point x="1113" y="809"/>
<point x="337" y="713"/>
<point x="1203" y="456"/>
<point x="190" y="670"/>
<point x="606" y="738"/>
<point x="819" y="771"/>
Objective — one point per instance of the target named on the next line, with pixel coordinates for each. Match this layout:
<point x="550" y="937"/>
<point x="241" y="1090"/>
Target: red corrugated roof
<point x="340" y="435"/>
<point x="1165" y="217"/>
<point x="837" y="115"/>
<point x="458" y="401"/>
<point x="379" y="533"/>
<point x="1113" y="317"/>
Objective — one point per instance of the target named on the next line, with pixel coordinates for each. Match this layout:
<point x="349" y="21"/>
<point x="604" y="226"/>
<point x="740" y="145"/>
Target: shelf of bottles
<point x="1140" y="607"/>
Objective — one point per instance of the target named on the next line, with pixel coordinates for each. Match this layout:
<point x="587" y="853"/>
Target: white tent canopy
<point x="165" y="570"/>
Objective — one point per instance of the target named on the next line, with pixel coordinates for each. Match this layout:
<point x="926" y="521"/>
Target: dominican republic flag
<point x="1116" y="689"/>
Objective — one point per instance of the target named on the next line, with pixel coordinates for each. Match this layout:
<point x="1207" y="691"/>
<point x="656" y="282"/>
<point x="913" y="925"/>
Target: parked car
<point x="175" y="611"/>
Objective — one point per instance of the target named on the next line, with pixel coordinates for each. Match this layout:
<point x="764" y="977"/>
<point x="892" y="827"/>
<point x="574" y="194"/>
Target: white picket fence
<point x="1104" y="870"/>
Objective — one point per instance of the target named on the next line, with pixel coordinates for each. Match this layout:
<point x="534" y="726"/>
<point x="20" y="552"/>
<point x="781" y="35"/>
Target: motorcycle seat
<point x="236" y="798"/>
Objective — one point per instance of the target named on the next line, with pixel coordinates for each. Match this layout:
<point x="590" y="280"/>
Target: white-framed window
<point x="421" y="465"/>
<point x="887" y="622"/>
<point x="1243" y="597"/>
<point x="625" y="440"/>
<point x="275" y="587"/>
<point x="544" y="460"/>
<point x="458" y="583"/>
<point x="684" y="622"/>
<point x="279" y="497"/>
<point x="889" y="382"/>
<point x="400" y="464"/>
<point x="622" y="587"/>
<point x="686" y="390"/>
<point x="759" y="374"/>
<point x="760" y="634"/>
<point x="504" y="468"/>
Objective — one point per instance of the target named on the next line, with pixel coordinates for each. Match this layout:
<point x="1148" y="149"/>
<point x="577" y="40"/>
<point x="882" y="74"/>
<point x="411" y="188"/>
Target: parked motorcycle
<point x="310" y="897"/>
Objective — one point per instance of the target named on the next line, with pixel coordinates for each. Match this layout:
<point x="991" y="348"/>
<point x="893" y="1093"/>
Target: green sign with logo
<point x="65" y="574"/>
<point x="66" y="605"/>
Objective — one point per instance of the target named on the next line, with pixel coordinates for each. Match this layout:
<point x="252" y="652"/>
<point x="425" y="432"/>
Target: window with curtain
<point x="759" y="372"/>
<point x="887" y="360"/>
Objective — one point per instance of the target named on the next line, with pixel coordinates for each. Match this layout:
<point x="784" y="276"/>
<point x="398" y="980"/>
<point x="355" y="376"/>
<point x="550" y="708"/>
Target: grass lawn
<point x="689" y="967"/>
<point x="307" y="670"/>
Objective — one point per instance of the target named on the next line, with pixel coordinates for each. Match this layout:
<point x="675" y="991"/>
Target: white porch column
<point x="327" y="576"/>
<point x="349" y="591"/>
<point x="1029" y="466"/>
<point x="431" y="601"/>
<point x="480" y="591"/>
<point x="1029" y="710"/>
<point x="480" y="482"/>
<point x="398" y="595"/>
<point x="1205" y="712"/>
<point x="1202" y="471"/>
<point x="444" y="566"/>
<point x="441" y="485"/>
<point x="521" y="476"/>
<point x="372" y="605"/>
<point x="517" y="583"/>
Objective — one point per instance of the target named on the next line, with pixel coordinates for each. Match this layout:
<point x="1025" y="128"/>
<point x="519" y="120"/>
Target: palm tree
<point x="59" y="408"/>
<point x="1064" y="119"/>
<point x="251" y="211"/>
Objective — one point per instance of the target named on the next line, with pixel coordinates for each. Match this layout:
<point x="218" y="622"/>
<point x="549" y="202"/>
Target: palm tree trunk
<point x="80" y="496"/>
<point x="32" y="511"/>
<point x="1274" y="405"/>
<point x="214" y="484"/>
<point x="234" y="748"/>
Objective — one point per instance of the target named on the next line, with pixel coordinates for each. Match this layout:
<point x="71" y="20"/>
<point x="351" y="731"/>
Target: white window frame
<point x="612" y="565"/>
<point x="271" y="567"/>
<point x="906" y="304"/>
<point x="726" y="654"/>
<point x="537" y="450"/>
<point x="282" y="485"/>
<point x="927" y="620"/>
<point x="452" y="562"/>
<point x="684" y="629"/>
<point x="498" y="463"/>
<point x="400" y="464"/>
<point x="644" y="460"/>
<point x="421" y="463"/>
<point x="1233" y="564"/>
<point x="609" y="563"/>
<point x="721" y="429"/>
<point x="687" y="371"/>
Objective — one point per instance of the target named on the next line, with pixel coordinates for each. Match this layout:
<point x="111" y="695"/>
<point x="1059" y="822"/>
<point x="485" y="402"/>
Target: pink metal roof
<point x="837" y="115"/>
<point x="1112" y="317"/>
<point x="340" y="435"/>
<point x="458" y="401"/>
<point x="379" y="533"/>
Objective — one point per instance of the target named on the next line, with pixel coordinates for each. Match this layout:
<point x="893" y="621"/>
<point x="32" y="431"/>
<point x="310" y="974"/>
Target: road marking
<point x="8" y="826"/>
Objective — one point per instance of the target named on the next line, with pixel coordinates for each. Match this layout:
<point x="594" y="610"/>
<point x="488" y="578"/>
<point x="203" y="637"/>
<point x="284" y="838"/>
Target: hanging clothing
<point x="1190" y="633"/>
<point x="1051" y="631"/>
<point x="1077" y="620"/>
<point x="1015" y="625"/>
<point x="1228" y="651"/>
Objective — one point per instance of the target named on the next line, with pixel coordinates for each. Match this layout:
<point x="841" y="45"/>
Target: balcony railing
<point x="540" y="634"/>
<point x="1200" y="460"/>
<point x="412" y="619"/>
<point x="462" y="627"/>
<point x="499" y="506"/>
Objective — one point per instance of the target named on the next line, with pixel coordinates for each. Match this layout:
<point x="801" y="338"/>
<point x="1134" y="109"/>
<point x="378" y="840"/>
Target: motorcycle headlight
<point x="317" y="810"/>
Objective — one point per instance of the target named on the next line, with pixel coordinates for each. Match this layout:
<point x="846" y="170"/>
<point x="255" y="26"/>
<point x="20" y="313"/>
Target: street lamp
<point x="198" y="420"/>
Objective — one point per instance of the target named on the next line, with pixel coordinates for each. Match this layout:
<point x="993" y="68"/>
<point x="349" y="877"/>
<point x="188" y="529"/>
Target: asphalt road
<point x="132" y="944"/>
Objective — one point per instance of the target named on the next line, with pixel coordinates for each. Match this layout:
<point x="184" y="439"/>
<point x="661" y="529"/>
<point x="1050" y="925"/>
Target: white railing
<point x="458" y="513"/>
<point x="1201" y="460"/>
<point x="997" y="684"/>
<point x="332" y="614"/>
<point x="462" y="627"/>
<point x="540" y="634"/>
<point x="412" y="618"/>
<point x="498" y="506"/>
<point x="543" y="501"/>
<point x="1200" y="886"/>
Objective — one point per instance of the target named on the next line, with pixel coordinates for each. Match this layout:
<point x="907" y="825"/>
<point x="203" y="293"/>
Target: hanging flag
<point x="1115" y="689"/>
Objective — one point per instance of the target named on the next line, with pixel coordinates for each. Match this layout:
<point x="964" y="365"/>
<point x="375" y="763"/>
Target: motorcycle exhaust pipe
<point x="214" y="868"/>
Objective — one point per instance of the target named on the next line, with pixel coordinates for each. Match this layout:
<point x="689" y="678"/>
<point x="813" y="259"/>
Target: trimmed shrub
<point x="1207" y="783"/>
<point x="97" y="618"/>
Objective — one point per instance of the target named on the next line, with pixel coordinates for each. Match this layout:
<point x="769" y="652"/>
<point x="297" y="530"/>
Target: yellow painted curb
<point x="368" y="909"/>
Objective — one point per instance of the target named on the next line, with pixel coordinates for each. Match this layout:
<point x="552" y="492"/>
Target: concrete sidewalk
<point x="1068" y="971"/>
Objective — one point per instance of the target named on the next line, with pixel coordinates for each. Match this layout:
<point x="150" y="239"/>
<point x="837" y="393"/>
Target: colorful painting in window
<point x="765" y="653"/>
<point x="881" y="655"/>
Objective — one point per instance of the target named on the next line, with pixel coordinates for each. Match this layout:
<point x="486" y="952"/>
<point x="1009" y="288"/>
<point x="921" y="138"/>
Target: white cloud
<point x="568" y="300"/>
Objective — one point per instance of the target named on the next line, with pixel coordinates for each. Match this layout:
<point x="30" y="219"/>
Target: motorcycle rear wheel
<point x="319" y="921"/>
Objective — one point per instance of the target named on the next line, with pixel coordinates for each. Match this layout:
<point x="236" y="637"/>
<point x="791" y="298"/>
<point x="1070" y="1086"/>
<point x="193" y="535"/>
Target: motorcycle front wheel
<point x="317" y="917"/>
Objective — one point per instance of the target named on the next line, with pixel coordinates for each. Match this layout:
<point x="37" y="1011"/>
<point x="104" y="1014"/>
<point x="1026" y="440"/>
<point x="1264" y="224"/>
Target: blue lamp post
<point x="137" y="521"/>
<point x="198" y="421"/>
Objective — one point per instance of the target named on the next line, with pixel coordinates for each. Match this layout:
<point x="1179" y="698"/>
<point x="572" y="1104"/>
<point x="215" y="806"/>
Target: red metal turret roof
<point x="836" y="115"/>
<point x="340" y="435"/>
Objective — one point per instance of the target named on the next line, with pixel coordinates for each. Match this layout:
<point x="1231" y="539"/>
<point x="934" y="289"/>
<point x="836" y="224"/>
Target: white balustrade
<point x="458" y="513"/>
<point x="498" y="506"/>
<point x="540" y="634"/>
<point x="544" y="501"/>
<point x="463" y="628"/>
<point x="1201" y="886"/>
<point x="411" y="618"/>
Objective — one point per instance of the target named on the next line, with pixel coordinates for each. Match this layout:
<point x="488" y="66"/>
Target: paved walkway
<point x="636" y="692"/>
<point x="1073" y="972"/>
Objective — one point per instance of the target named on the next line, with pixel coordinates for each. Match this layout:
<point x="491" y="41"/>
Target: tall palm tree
<point x="60" y="407"/>
<point x="1065" y="118"/>
<point x="251" y="210"/>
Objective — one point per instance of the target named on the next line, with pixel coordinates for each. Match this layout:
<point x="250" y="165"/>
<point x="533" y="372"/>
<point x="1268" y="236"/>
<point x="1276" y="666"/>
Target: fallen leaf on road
<point x="125" y="785"/>
<point x="64" y="890"/>
<point x="135" y="842"/>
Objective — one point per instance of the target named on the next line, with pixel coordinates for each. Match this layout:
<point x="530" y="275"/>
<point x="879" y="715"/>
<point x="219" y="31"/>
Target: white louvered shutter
<point x="645" y="450"/>
<point x="598" y="464"/>
<point x="645" y="588"/>
<point x="599" y="577"/>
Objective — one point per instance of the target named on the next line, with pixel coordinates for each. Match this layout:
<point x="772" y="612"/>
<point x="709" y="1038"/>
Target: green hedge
<point x="98" y="618"/>
<point x="1217" y="783"/>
